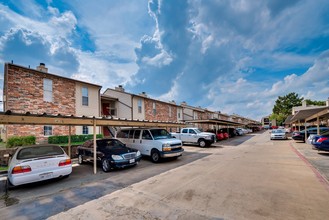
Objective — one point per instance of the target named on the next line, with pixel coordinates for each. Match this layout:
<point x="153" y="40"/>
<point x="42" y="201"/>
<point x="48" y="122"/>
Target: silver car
<point x="37" y="163"/>
<point x="279" y="134"/>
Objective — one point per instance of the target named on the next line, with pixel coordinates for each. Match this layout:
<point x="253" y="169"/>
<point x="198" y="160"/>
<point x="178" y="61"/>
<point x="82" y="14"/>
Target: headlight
<point x="208" y="137"/>
<point x="117" y="157"/>
<point x="166" y="147"/>
<point x="138" y="153"/>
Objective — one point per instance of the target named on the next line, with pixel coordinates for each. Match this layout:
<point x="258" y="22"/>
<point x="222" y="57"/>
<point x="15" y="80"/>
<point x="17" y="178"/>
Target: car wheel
<point x="106" y="167"/>
<point x="155" y="156"/>
<point x="80" y="159"/>
<point x="202" y="143"/>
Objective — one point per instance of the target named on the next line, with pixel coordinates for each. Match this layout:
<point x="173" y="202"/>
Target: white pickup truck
<point x="195" y="136"/>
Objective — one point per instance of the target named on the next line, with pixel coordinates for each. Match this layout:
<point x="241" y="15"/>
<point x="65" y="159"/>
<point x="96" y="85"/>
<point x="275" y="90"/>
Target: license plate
<point x="45" y="176"/>
<point x="132" y="161"/>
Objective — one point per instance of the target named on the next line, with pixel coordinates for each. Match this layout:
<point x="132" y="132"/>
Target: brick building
<point x="37" y="91"/>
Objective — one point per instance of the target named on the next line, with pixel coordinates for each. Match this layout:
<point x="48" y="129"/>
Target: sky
<point x="236" y="57"/>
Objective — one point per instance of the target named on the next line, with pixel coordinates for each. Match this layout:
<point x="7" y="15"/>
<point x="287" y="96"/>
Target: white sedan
<point x="279" y="134"/>
<point x="37" y="163"/>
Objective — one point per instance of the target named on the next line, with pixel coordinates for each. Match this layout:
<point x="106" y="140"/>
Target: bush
<point x="20" y="141"/>
<point x="64" y="139"/>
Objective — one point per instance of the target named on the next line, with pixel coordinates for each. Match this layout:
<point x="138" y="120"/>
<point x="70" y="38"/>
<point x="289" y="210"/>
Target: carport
<point x="216" y="122"/>
<point x="310" y="115"/>
<point x="10" y="118"/>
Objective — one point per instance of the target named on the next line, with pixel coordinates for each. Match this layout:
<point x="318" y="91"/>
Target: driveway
<point x="256" y="179"/>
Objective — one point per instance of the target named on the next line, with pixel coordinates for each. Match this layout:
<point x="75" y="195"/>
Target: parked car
<point x="300" y="135"/>
<point x="279" y="134"/>
<point x="240" y="131"/>
<point x="37" y="163"/>
<point x="111" y="153"/>
<point x="154" y="142"/>
<point x="195" y="136"/>
<point x="321" y="142"/>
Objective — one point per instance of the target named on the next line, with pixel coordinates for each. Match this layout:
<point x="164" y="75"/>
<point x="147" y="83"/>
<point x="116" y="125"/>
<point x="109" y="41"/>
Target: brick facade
<point x="23" y="91"/>
<point x="162" y="111"/>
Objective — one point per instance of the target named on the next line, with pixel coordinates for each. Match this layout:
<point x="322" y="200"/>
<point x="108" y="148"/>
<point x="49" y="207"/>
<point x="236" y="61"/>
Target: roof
<point x="54" y="75"/>
<point x="215" y="122"/>
<point x="9" y="117"/>
<point x="302" y="115"/>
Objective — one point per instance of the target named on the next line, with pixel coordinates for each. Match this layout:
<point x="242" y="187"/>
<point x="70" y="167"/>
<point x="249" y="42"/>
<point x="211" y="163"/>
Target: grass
<point x="72" y="144"/>
<point x="3" y="168"/>
<point x="2" y="145"/>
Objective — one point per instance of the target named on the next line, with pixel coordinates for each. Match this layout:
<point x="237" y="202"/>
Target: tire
<point x="80" y="159"/>
<point x="106" y="167"/>
<point x="155" y="156"/>
<point x="202" y="143"/>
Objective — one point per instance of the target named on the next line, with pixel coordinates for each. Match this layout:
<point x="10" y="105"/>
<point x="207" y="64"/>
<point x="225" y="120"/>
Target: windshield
<point x="278" y="131"/>
<point x="197" y="131"/>
<point x="39" y="151"/>
<point x="110" y="144"/>
<point x="160" y="134"/>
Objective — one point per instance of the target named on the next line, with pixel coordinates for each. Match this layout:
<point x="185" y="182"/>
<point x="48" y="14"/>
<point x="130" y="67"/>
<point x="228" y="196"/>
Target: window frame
<point x="47" y="130"/>
<point x="47" y="90"/>
<point x="84" y="98"/>
<point x="84" y="129"/>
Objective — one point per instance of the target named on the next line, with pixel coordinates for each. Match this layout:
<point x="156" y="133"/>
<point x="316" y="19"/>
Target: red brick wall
<point x="162" y="111"/>
<point x="24" y="93"/>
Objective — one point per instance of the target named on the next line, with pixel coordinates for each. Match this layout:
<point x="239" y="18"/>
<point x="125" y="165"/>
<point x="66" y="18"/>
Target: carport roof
<point x="9" y="117"/>
<point x="215" y="122"/>
<point x="306" y="114"/>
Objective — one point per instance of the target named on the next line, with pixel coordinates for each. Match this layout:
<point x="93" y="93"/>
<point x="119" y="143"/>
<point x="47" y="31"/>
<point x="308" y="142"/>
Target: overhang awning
<point x="215" y="122"/>
<point x="303" y="115"/>
<point x="10" y="118"/>
<point x="288" y="120"/>
<point x="323" y="114"/>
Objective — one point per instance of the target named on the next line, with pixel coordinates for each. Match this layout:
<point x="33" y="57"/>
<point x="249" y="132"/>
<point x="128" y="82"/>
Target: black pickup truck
<point x="111" y="153"/>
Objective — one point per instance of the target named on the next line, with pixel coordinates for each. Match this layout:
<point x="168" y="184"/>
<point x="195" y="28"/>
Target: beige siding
<point x="136" y="114"/>
<point x="124" y="104"/>
<point x="93" y="108"/>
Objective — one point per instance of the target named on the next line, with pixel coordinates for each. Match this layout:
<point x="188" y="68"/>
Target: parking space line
<point x="319" y="176"/>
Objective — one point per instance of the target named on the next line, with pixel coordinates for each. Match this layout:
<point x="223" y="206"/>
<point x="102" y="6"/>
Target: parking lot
<point x="239" y="174"/>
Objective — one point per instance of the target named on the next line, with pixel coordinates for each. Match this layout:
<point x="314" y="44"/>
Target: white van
<point x="154" y="142"/>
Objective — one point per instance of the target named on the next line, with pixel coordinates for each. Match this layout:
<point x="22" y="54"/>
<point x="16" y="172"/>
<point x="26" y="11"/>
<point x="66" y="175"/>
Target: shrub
<point x="64" y="139"/>
<point x="16" y="141"/>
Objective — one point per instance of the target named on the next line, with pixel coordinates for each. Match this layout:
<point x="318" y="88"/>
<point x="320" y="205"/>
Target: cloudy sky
<point x="232" y="56"/>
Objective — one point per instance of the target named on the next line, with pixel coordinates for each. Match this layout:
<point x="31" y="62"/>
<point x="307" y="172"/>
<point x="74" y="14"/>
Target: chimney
<point x="42" y="67"/>
<point x="183" y="103"/>
<point x="120" y="88"/>
<point x="172" y="102"/>
<point x="304" y="104"/>
<point x="143" y="94"/>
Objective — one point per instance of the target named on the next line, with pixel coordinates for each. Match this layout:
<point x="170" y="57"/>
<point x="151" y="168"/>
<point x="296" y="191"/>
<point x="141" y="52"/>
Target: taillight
<point x="64" y="162"/>
<point x="21" y="169"/>
<point x="320" y="140"/>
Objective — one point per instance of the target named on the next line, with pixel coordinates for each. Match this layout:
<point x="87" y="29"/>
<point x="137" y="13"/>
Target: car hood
<point x="206" y="133"/>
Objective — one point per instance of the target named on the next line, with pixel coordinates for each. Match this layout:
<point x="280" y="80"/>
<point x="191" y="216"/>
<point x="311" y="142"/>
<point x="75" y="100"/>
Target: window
<point x="169" y="111"/>
<point x="47" y="90"/>
<point x="85" y="130"/>
<point x="47" y="130"/>
<point x="154" y="109"/>
<point x="139" y="103"/>
<point x="137" y="134"/>
<point x="112" y="109"/>
<point x="146" y="135"/>
<point x="178" y="113"/>
<point x="84" y="96"/>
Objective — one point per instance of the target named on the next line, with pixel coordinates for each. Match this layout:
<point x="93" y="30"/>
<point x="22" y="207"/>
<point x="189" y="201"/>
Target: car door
<point x="146" y="142"/>
<point x="192" y="136"/>
<point x="136" y="140"/>
<point x="184" y="135"/>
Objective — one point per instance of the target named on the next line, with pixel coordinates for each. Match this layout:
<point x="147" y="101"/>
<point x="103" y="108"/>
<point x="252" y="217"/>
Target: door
<point x="146" y="142"/>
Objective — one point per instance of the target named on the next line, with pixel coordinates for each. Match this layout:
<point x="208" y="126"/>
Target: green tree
<point x="314" y="102"/>
<point x="283" y="106"/>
